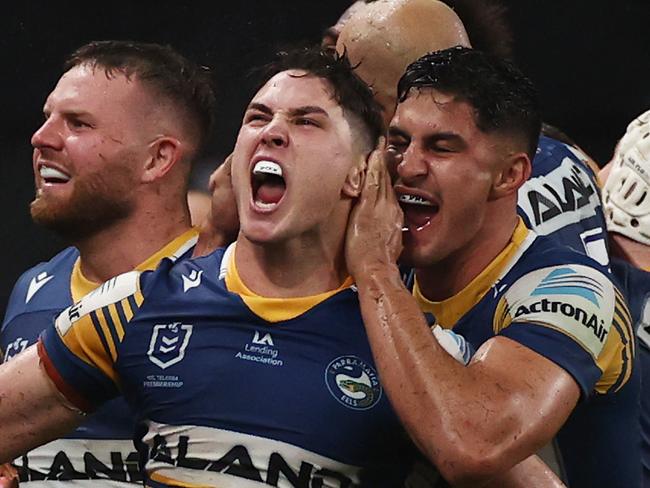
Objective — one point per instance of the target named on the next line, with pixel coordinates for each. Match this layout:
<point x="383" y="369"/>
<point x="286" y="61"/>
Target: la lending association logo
<point x="353" y="382"/>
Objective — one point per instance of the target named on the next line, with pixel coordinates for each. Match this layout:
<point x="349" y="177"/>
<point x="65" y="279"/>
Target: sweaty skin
<point x="221" y="225"/>
<point x="384" y="37"/>
<point x="472" y="422"/>
<point x="31" y="410"/>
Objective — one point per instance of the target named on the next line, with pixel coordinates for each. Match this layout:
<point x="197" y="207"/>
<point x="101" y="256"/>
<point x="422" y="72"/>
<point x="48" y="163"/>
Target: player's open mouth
<point x="51" y="175"/>
<point x="418" y="211"/>
<point x="268" y="184"/>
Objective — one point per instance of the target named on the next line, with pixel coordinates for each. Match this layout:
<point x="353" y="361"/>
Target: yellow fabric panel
<point x="449" y="311"/>
<point x="107" y="333"/>
<point x="275" y="309"/>
<point x="616" y="359"/>
<point x="172" y="482"/>
<point x="502" y="317"/>
<point x="119" y="327"/>
<point x="85" y="343"/>
<point x="623" y="309"/>
<point x="168" y="250"/>
<point x="80" y="286"/>
<point x="128" y="311"/>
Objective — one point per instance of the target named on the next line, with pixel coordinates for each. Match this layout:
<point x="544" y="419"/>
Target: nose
<point x="48" y="135"/>
<point x="413" y="165"/>
<point x="275" y="133"/>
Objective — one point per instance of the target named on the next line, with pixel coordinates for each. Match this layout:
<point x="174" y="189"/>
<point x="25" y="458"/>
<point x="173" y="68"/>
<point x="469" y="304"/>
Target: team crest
<point x="168" y="344"/>
<point x="353" y="382"/>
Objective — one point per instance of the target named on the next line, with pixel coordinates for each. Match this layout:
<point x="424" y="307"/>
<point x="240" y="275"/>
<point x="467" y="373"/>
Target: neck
<point x="125" y="244"/>
<point x="299" y="267"/>
<point x="452" y="274"/>
<point x="629" y="250"/>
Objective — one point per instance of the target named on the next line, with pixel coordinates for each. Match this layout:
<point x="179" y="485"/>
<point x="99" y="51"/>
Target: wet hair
<point x="348" y="90"/>
<point x="487" y="25"/>
<point x="187" y="85"/>
<point x="503" y="98"/>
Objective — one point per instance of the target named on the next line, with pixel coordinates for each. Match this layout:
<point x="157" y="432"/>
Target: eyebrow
<point x="307" y="109"/>
<point x="397" y="132"/>
<point x="431" y="138"/>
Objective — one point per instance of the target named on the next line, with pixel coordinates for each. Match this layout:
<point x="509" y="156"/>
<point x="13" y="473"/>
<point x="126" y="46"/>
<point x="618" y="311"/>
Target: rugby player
<point x="251" y="366"/>
<point x="111" y="164"/>
<point x="561" y="198"/>
<point x="626" y="209"/>
<point x="248" y="367"/>
<point x="552" y="332"/>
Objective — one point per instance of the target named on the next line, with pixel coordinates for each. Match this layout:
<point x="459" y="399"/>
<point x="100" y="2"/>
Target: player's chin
<point x="262" y="233"/>
<point x="417" y="255"/>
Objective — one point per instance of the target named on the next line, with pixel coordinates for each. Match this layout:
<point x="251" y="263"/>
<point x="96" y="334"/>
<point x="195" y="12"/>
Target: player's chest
<point x="308" y="374"/>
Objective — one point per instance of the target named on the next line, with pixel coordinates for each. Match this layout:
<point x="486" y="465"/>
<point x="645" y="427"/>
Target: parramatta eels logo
<point x="168" y="343"/>
<point x="566" y="281"/>
<point x="353" y="383"/>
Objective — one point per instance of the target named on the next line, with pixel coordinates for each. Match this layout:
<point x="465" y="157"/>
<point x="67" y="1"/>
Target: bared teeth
<point x="48" y="173"/>
<point x="414" y="200"/>
<point x="267" y="168"/>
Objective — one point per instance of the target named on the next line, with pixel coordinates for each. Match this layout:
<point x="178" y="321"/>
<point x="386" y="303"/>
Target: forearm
<point x="532" y="472"/>
<point x="31" y="411"/>
<point x="463" y="420"/>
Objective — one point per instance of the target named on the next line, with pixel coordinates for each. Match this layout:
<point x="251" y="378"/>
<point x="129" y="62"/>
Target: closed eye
<point x="306" y="121"/>
<point x="255" y="117"/>
<point x="78" y="124"/>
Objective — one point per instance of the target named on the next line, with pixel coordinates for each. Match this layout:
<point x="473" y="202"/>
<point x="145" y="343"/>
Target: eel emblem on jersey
<point x="168" y="343"/>
<point x="353" y="382"/>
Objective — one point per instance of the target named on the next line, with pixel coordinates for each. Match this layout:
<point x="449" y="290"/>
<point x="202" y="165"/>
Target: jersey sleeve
<point x="80" y="349"/>
<point x="576" y="317"/>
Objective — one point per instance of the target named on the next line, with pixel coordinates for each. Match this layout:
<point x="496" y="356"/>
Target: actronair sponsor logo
<point x="261" y="350"/>
<point x="589" y="320"/>
<point x="567" y="281"/>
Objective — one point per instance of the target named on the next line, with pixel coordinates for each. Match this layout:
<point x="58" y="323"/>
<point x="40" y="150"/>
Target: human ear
<point x="354" y="180"/>
<point x="164" y="153"/>
<point x="513" y="174"/>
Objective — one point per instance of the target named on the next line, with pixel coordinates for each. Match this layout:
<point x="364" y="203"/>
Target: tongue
<point x="270" y="191"/>
<point x="418" y="216"/>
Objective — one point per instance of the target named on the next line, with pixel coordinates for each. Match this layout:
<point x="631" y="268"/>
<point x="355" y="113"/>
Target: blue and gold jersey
<point x="100" y="452"/>
<point x="635" y="284"/>
<point x="564" y="306"/>
<point x="561" y="199"/>
<point x="233" y="389"/>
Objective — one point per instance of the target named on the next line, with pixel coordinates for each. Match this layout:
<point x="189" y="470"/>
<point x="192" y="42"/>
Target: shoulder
<point x="122" y="288"/>
<point x="551" y="153"/>
<point x="44" y="286"/>
<point x="566" y="291"/>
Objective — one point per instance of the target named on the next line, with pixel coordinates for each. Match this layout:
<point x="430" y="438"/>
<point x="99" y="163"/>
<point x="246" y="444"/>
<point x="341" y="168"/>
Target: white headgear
<point x="626" y="195"/>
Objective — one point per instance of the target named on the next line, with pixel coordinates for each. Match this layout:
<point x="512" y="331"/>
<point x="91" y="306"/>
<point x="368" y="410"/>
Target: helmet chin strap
<point x="626" y="195"/>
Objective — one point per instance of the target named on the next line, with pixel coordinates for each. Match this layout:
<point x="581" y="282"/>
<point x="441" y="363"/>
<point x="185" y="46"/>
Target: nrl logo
<point x="168" y="344"/>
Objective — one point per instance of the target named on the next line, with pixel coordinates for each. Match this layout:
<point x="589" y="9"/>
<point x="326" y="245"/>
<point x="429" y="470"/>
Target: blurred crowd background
<point x="589" y="59"/>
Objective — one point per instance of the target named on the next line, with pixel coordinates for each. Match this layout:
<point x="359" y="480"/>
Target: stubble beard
<point x="94" y="205"/>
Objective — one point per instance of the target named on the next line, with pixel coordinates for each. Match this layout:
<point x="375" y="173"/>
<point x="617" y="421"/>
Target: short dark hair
<point x="349" y="91"/>
<point x="503" y="98"/>
<point x="186" y="84"/>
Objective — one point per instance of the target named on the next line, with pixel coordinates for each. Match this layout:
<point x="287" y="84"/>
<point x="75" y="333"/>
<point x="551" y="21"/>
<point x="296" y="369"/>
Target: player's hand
<point x="8" y="476"/>
<point x="374" y="234"/>
<point x="221" y="226"/>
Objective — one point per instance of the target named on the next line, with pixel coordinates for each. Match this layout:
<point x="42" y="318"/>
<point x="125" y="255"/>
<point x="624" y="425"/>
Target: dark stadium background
<point x="590" y="60"/>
